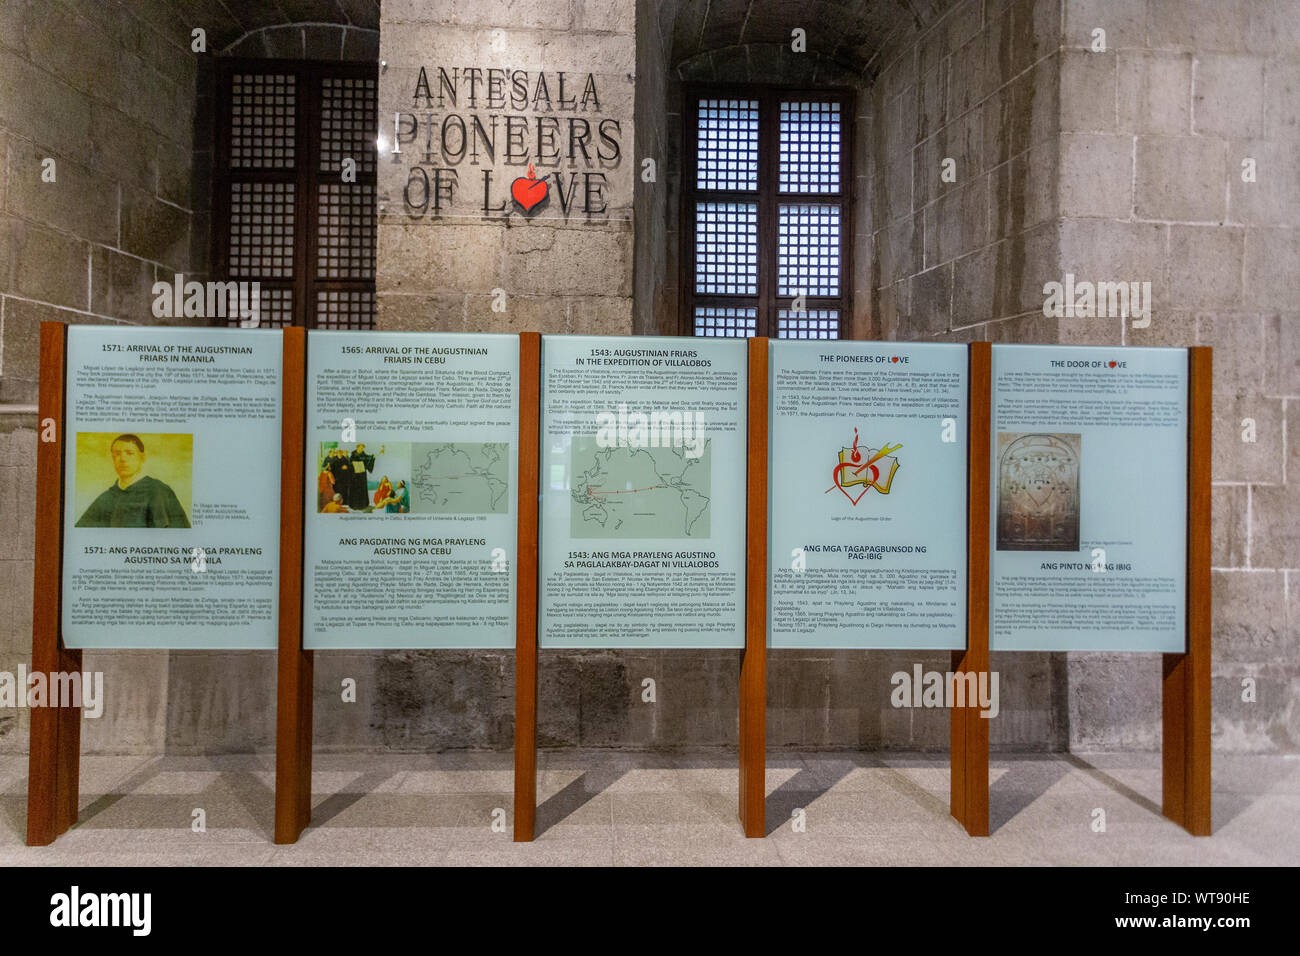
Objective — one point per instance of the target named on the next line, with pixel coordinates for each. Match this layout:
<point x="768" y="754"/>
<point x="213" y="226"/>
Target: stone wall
<point x="110" y="98"/>
<point x="560" y="270"/>
<point x="962" y="175"/>
<point x="1122" y="163"/>
<point x="658" y="118"/>
<point x="107" y="92"/>
<point x="1154" y="133"/>
<point x="114" y="93"/>
<point x="960" y="170"/>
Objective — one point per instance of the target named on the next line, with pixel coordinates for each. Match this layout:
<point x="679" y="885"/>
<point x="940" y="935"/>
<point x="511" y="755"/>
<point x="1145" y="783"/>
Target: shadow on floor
<point x="121" y="789"/>
<point x="555" y="808"/>
<point x="1027" y="779"/>
<point x="1102" y="777"/>
<point x="336" y="803"/>
<point x="803" y="788"/>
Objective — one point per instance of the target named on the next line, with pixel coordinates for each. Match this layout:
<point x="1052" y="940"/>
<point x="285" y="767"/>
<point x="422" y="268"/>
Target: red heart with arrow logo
<point x="528" y="190"/>
<point x="857" y="470"/>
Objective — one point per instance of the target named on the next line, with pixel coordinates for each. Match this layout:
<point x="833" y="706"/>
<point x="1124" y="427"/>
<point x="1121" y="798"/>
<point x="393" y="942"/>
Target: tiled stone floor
<point x="601" y="807"/>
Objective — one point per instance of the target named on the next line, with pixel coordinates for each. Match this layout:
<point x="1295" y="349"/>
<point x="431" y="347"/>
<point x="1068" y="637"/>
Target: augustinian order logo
<point x="856" y="469"/>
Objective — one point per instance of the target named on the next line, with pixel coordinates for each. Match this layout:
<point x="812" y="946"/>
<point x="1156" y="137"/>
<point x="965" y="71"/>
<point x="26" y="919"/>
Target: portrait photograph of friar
<point x="133" y="480"/>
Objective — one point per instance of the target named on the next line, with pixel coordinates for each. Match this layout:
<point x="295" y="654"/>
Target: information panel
<point x="1089" y="499"/>
<point x="412" y="461"/>
<point x="171" y="525"/>
<point x="867" y="495"/>
<point x="643" y="492"/>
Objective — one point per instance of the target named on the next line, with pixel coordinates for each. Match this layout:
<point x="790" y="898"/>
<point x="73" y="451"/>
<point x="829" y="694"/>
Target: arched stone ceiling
<point x="849" y="39"/>
<point x="227" y="21"/>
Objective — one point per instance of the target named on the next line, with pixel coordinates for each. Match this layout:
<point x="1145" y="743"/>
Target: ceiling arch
<point x="844" y="39"/>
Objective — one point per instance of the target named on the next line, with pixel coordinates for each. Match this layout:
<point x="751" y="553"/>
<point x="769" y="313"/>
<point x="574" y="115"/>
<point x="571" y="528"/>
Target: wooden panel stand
<point x="969" y="796"/>
<point x="530" y="365"/>
<point x="54" y="754"/>
<point x="753" y="661"/>
<point x="293" y="713"/>
<point x="1186" y="680"/>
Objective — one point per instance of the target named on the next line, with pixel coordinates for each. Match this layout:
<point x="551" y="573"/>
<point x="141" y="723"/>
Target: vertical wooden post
<point x="293" y="715"/>
<point x="1186" y="680"/>
<point x="530" y="366"/>
<point x="753" y="661"/>
<point x="54" y="753"/>
<point x="969" y="788"/>
<point x="68" y="788"/>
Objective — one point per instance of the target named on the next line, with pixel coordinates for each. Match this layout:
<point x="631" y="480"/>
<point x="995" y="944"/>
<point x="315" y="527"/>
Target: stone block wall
<point x="109" y="96"/>
<point x="1159" y="135"/>
<point x="658" y="118"/>
<point x="1118" y="155"/>
<point x="962" y="175"/>
<point x="960" y="171"/>
<point x="107" y="91"/>
<point x="114" y="93"/>
<point x="560" y="270"/>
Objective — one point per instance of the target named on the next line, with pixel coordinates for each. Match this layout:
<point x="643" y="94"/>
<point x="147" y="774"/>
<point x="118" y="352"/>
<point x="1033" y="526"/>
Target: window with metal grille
<point x="766" y="195"/>
<point x="285" y="214"/>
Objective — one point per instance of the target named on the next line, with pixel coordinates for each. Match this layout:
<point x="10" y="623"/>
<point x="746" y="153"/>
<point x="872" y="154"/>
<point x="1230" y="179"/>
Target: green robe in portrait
<point x="146" y="503"/>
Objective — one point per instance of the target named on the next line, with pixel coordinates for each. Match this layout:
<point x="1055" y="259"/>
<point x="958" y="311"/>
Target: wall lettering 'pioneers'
<point x="464" y="123"/>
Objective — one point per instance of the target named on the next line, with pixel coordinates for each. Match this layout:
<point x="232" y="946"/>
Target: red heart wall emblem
<point x="528" y="190"/>
<point x="894" y="359"/>
<point x="1112" y="364"/>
